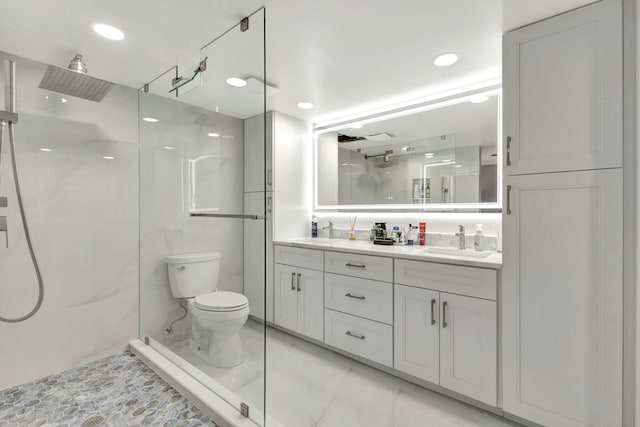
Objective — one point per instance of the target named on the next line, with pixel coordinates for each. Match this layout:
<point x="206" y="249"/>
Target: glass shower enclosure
<point x="198" y="213"/>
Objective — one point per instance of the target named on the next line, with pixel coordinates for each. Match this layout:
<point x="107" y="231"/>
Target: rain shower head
<point x="75" y="81"/>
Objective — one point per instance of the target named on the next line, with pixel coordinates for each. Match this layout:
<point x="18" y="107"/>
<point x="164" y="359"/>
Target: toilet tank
<point x="193" y="274"/>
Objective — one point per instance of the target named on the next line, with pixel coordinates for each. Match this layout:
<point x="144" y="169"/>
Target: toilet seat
<point x="221" y="301"/>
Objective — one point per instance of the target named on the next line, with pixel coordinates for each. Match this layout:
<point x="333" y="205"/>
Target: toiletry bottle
<point x="372" y="234"/>
<point x="423" y="233"/>
<point x="403" y="236"/>
<point x="396" y="234"/>
<point x="314" y="226"/>
<point x="410" y="235"/>
<point x="478" y="238"/>
<point x="427" y="192"/>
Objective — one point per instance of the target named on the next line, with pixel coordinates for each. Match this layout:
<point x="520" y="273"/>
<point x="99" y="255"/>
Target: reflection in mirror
<point x="422" y="159"/>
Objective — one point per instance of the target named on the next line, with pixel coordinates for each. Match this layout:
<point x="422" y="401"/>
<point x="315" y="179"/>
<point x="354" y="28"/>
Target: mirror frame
<point x="390" y="112"/>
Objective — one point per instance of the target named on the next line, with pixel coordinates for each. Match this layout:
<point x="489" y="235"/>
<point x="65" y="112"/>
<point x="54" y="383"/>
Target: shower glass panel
<point x="194" y="210"/>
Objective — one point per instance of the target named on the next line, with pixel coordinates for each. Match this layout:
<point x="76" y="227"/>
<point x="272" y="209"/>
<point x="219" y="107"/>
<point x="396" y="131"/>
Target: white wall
<point x="165" y="225"/>
<point x="83" y="214"/>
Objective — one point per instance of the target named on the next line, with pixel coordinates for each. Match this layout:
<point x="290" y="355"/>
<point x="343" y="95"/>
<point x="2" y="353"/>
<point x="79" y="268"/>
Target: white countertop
<point x="444" y="255"/>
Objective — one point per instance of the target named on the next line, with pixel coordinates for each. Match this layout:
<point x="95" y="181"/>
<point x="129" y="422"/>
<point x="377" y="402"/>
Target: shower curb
<point x="207" y="401"/>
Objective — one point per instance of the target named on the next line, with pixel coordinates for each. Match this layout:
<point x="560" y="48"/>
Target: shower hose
<point x="27" y="235"/>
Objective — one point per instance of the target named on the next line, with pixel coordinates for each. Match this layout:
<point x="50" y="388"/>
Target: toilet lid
<point x="221" y="301"/>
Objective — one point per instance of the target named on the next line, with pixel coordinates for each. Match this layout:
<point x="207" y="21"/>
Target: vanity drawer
<point x="365" y="266"/>
<point x="365" y="338"/>
<point x="470" y="281"/>
<point x="299" y="257"/>
<point x="361" y="297"/>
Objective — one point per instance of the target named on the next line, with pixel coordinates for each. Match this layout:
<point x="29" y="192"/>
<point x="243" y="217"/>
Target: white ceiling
<point x="341" y="55"/>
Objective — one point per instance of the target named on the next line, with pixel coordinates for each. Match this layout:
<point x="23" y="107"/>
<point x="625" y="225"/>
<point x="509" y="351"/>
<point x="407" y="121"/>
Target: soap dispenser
<point x="478" y="238"/>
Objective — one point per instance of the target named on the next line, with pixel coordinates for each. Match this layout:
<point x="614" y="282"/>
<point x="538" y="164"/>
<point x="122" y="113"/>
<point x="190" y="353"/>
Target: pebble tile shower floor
<point x="115" y="391"/>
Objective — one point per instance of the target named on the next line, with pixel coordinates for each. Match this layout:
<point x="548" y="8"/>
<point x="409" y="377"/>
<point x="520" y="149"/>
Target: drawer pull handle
<point x="355" y="296"/>
<point x="293" y="277"/>
<point x="299" y="277"/>
<point x="508" y="151"/>
<point x="444" y="314"/>
<point x="433" y="311"/>
<point x="351" y="334"/>
<point x="355" y="265"/>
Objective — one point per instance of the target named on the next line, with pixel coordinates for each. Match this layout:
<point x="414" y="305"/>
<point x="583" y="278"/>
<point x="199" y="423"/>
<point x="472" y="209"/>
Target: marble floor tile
<point x="310" y="386"/>
<point x="116" y="391"/>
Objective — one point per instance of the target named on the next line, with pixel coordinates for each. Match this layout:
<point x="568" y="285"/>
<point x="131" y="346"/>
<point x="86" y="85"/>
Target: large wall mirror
<point x="439" y="155"/>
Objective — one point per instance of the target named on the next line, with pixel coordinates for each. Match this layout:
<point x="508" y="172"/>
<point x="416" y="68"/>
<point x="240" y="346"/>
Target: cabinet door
<point x="562" y="298"/>
<point x="256" y="147"/>
<point x="286" y="297"/>
<point x="562" y="84"/>
<point x="416" y="332"/>
<point x="311" y="303"/>
<point x="469" y="347"/>
<point x="255" y="279"/>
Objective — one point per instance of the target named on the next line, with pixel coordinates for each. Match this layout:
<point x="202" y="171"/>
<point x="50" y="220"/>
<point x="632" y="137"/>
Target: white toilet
<point x="217" y="315"/>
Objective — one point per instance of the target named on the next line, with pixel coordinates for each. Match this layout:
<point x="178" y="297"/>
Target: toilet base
<point x="219" y="349"/>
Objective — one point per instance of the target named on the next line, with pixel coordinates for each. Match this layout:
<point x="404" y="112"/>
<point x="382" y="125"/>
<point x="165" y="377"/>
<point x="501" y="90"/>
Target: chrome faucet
<point x="462" y="243"/>
<point x="330" y="227"/>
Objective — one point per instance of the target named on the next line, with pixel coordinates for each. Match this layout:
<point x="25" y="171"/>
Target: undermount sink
<point x="467" y="253"/>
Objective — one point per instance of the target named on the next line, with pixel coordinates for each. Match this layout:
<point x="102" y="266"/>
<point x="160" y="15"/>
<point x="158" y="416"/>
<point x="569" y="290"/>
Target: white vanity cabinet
<point x="284" y="145"/>
<point x="444" y="337"/>
<point x="298" y="291"/>
<point x="562" y="283"/>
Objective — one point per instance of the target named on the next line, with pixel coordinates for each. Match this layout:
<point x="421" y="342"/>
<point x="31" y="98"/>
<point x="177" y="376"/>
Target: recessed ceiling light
<point x="477" y="99"/>
<point x="64" y="100"/>
<point x="236" y="82"/>
<point x="213" y="134"/>
<point x="169" y="148"/>
<point x="108" y="31"/>
<point x="445" y="60"/>
<point x="448" y="160"/>
<point x="457" y="166"/>
<point x="357" y="126"/>
<point x="429" y="155"/>
<point x="305" y="105"/>
<point x="150" y="119"/>
<point x="45" y="149"/>
<point x="46" y="97"/>
<point x="108" y="157"/>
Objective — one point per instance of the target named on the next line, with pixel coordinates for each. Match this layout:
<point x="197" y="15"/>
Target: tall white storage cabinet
<point x="272" y="192"/>
<point x="562" y="220"/>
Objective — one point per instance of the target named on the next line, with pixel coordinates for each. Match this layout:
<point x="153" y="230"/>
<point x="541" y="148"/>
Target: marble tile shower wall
<point x="83" y="214"/>
<point x="182" y="168"/>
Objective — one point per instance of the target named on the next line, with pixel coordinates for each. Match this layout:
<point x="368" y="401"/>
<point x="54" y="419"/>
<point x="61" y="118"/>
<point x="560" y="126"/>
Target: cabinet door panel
<point x="255" y="279"/>
<point x="255" y="149"/>
<point x="563" y="92"/>
<point x="286" y="297"/>
<point x="416" y="332"/>
<point x="311" y="303"/>
<point x="468" y="347"/>
<point x="562" y="298"/>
